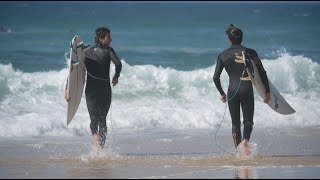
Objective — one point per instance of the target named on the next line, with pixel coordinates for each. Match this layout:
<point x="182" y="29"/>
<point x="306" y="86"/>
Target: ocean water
<point x="165" y="110"/>
<point x="168" y="51"/>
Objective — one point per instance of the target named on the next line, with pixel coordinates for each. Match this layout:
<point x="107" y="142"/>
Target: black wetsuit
<point x="231" y="60"/>
<point x="98" y="89"/>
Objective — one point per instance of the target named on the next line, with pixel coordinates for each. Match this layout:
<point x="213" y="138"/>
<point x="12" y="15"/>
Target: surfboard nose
<point x="76" y="41"/>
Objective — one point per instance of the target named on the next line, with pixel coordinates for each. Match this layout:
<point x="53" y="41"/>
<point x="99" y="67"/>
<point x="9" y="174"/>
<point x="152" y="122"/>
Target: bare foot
<point x="95" y="141"/>
<point x="246" y="148"/>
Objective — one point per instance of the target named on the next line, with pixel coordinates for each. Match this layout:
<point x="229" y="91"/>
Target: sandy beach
<point x="164" y="153"/>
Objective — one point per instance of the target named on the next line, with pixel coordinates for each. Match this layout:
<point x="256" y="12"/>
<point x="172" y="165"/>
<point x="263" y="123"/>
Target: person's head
<point x="234" y="34"/>
<point x="103" y="36"/>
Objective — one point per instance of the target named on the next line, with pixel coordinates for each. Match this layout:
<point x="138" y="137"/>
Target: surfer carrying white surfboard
<point x="98" y="90"/>
<point x="240" y="90"/>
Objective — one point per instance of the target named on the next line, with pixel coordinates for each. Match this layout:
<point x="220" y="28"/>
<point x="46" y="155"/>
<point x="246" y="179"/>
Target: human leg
<point x="93" y="118"/>
<point x="234" y="109"/>
<point x="104" y="109"/>
<point x="247" y="111"/>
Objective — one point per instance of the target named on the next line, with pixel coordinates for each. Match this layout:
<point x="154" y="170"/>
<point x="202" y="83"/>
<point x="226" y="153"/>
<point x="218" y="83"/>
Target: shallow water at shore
<point x="164" y="153"/>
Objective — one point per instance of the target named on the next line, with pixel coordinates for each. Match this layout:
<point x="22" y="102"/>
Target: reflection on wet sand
<point x="244" y="173"/>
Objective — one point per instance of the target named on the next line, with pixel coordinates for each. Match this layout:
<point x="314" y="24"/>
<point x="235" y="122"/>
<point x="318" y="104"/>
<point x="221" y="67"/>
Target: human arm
<point x="216" y="78"/>
<point x="266" y="97"/>
<point x="118" y="66"/>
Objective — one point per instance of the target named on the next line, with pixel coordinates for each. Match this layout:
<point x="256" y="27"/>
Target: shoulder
<point x="110" y="49"/>
<point x="223" y="53"/>
<point x="252" y="52"/>
<point x="90" y="50"/>
<point x="105" y="50"/>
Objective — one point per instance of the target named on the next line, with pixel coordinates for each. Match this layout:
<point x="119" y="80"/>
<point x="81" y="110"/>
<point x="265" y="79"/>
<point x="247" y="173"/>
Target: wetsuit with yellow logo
<point x="232" y="60"/>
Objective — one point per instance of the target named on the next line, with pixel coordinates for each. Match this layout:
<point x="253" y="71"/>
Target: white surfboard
<point x="277" y="102"/>
<point x="76" y="77"/>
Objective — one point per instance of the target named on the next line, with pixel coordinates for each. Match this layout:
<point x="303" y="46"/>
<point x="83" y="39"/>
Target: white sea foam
<point x="32" y="104"/>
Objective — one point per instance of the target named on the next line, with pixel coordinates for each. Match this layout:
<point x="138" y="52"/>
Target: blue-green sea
<point x="168" y="51"/>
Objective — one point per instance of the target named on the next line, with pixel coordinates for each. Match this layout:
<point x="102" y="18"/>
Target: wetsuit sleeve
<point x="261" y="70"/>
<point x="116" y="61"/>
<point x="216" y="76"/>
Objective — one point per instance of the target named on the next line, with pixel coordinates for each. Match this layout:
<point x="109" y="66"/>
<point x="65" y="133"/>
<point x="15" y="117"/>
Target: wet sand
<point x="164" y="153"/>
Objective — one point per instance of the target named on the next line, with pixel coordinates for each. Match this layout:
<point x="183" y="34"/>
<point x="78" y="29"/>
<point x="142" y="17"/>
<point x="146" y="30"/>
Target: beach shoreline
<point x="163" y="153"/>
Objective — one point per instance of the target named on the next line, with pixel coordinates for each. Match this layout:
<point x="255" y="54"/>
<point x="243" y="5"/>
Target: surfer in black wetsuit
<point x="98" y="89"/>
<point x="232" y="60"/>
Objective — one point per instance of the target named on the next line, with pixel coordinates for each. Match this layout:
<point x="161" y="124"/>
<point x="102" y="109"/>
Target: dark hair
<point x="101" y="32"/>
<point x="234" y="34"/>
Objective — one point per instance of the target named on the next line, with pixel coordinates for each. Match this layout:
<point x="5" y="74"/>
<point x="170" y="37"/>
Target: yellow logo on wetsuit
<point x="239" y="59"/>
